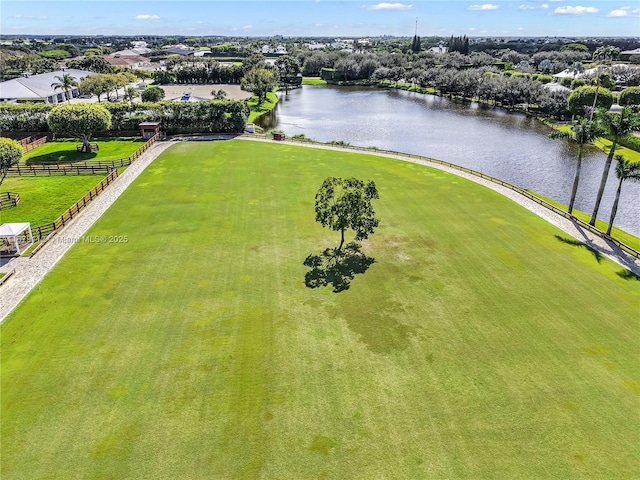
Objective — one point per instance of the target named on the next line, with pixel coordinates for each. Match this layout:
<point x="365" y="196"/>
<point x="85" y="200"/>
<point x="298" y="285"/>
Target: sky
<point x="331" y="18"/>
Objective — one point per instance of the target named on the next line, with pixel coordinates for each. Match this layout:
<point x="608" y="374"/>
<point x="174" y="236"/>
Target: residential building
<point x="38" y="87"/>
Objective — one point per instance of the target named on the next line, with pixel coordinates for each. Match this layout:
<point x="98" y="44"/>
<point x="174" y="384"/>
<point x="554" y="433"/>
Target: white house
<point x="38" y="87"/>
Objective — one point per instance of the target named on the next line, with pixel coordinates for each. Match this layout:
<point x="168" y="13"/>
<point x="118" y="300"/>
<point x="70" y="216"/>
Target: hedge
<point x="214" y="116"/>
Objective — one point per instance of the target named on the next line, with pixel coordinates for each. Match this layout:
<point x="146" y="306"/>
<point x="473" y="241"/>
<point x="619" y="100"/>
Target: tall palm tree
<point x="582" y="132"/>
<point x="616" y="126"/>
<point x="66" y="82"/>
<point x="625" y="170"/>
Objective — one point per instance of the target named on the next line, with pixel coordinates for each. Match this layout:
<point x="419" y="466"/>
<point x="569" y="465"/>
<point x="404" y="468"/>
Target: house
<point x="128" y="60"/>
<point x="37" y="88"/>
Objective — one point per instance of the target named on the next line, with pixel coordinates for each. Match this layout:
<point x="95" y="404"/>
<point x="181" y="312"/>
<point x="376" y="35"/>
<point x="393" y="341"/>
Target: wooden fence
<point x="30" y="143"/>
<point x="44" y="230"/>
<point x="88" y="167"/>
<point x="48" y="170"/>
<point x="49" y="230"/>
<point x="9" y="200"/>
<point x="582" y="224"/>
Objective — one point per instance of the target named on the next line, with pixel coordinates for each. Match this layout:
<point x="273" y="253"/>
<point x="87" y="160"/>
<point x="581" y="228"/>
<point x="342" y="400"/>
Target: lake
<point x="510" y="146"/>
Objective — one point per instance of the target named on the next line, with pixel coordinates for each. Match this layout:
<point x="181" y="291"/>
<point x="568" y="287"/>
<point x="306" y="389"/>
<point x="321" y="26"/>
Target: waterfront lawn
<point x="259" y="109"/>
<point x="313" y="81"/>
<point x="621" y="235"/>
<point x="482" y="343"/>
<point x="43" y="199"/>
<point x="64" y="150"/>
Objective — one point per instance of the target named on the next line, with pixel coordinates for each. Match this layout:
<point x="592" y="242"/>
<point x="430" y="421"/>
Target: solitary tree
<point x="259" y="81"/>
<point x="582" y="131"/>
<point x="81" y="120"/>
<point x="66" y="82"/>
<point x="415" y="44"/>
<point x="615" y="125"/>
<point x="152" y="94"/>
<point x="10" y="154"/>
<point x="625" y="170"/>
<point x="288" y="69"/>
<point x="346" y="203"/>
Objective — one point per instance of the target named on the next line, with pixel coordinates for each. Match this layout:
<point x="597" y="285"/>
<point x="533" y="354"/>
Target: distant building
<point x="127" y="60"/>
<point x="315" y="46"/>
<point x="38" y="87"/>
<point x="179" y="51"/>
<point x="626" y="55"/>
<point x="555" y="87"/>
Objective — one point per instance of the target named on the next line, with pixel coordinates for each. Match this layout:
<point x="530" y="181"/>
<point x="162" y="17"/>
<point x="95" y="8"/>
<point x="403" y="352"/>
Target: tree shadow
<point x="628" y="275"/>
<point x="61" y="156"/>
<point x="336" y="267"/>
<point x="577" y="243"/>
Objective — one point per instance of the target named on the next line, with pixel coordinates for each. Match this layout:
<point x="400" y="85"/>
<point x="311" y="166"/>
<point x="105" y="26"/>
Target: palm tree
<point x="616" y="126"/>
<point x="625" y="170"/>
<point x="66" y="82"/>
<point x="130" y="93"/>
<point x="582" y="131"/>
<point x="605" y="52"/>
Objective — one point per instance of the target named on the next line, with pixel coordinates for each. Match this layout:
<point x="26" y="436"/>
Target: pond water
<point x="509" y="146"/>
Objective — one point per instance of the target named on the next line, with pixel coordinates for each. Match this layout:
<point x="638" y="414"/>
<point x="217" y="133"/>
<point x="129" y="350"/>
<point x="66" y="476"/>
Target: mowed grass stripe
<point x="477" y="345"/>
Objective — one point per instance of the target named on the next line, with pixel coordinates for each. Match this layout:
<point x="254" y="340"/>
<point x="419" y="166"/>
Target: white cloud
<point x="624" y="12"/>
<point x="578" y="10"/>
<point x="544" y="6"/>
<point x="484" y="7"/>
<point x="247" y="27"/>
<point x="147" y="16"/>
<point x="388" y="6"/>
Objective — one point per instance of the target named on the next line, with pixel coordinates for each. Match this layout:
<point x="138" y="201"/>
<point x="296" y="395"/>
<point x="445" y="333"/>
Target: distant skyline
<point x="613" y="18"/>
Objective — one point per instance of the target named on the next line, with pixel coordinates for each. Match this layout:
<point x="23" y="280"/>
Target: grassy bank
<point x="313" y="81"/>
<point x="621" y="235"/>
<point x="480" y="343"/>
<point x="257" y="109"/>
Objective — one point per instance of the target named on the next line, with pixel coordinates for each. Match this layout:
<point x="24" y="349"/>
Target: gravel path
<point x="592" y="240"/>
<point x="29" y="271"/>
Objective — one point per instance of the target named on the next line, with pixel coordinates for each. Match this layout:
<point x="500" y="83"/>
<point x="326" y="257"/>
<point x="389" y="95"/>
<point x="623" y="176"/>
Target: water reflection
<point x="509" y="146"/>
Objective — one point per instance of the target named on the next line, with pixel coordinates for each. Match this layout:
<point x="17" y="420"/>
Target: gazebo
<point x="15" y="238"/>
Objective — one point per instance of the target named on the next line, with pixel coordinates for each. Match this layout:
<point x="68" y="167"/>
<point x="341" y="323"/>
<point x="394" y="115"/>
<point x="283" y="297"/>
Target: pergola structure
<point x="15" y="238"/>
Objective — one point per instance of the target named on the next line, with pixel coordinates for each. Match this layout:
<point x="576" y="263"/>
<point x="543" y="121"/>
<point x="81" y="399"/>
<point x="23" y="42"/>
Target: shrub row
<point x="215" y="116"/>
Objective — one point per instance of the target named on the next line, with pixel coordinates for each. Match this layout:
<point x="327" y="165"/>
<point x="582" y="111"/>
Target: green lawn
<point x="313" y="81"/>
<point x="259" y="109"/>
<point x="65" y="150"/>
<point x="43" y="199"/>
<point x="603" y="144"/>
<point x="482" y="343"/>
<point x="616" y="233"/>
